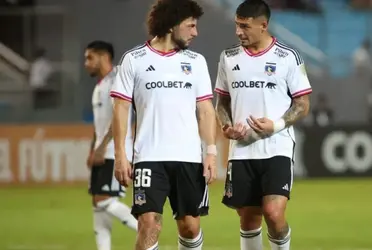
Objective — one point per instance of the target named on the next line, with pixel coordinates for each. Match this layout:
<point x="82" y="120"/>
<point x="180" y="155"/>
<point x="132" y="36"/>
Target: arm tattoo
<point x="251" y="138"/>
<point x="148" y="235"/>
<point x="298" y="110"/>
<point x="223" y="110"/>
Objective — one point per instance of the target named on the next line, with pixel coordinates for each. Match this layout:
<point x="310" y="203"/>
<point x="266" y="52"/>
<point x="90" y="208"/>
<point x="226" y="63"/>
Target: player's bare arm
<point x="99" y="153"/>
<point x="119" y="132"/>
<point x="207" y="130"/>
<point x="90" y="156"/>
<point x="223" y="110"/>
<point x="152" y="234"/>
<point x="266" y="127"/>
<point x="299" y="110"/>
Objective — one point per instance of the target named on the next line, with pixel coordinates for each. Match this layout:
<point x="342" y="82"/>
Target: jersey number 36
<point x="142" y="178"/>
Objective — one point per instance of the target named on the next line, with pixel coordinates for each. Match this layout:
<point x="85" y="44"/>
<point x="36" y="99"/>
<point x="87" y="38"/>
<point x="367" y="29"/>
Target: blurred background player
<point x="262" y="82"/>
<point x="103" y="185"/>
<point x="168" y="83"/>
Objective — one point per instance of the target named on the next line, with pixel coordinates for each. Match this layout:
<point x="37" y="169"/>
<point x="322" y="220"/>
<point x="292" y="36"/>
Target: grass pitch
<point x="323" y="214"/>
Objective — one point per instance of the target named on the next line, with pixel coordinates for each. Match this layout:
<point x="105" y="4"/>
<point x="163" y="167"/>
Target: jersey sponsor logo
<point x="253" y="84"/>
<point x="281" y="53"/>
<point x="270" y="68"/>
<point x="190" y="54"/>
<point x="186" y="68"/>
<point x="232" y="52"/>
<point x="168" y="85"/>
<point x="138" y="53"/>
<point x="270" y="85"/>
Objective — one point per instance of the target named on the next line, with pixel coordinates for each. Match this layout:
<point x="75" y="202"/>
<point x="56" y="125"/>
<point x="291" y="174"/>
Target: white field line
<point x="161" y="247"/>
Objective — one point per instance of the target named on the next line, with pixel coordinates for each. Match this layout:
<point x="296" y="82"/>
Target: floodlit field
<point x="324" y="215"/>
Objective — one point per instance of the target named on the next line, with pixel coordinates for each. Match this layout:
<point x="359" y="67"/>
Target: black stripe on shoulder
<point x="131" y="50"/>
<point x="296" y="54"/>
<point x="233" y="47"/>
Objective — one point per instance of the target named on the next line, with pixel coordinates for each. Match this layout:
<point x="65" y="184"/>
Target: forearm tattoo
<point x="223" y="110"/>
<point x="298" y="110"/>
<point x="148" y="236"/>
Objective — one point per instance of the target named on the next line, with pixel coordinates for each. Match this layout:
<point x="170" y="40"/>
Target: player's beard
<point x="181" y="44"/>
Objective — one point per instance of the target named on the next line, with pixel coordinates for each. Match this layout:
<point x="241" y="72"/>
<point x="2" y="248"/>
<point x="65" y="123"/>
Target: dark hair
<point x="165" y="14"/>
<point x="253" y="8"/>
<point x="101" y="46"/>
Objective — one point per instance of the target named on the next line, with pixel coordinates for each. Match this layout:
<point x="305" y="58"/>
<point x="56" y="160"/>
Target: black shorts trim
<point x="103" y="181"/>
<point x="182" y="182"/>
<point x="248" y="181"/>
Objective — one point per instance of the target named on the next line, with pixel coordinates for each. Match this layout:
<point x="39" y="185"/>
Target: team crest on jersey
<point x="186" y="68"/>
<point x="270" y="68"/>
<point x="139" y="197"/>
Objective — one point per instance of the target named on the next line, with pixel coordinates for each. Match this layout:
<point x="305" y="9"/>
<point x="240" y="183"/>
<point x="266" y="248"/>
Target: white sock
<point x="280" y="244"/>
<point x="251" y="240"/>
<point x="195" y="244"/>
<point x="120" y="211"/>
<point x="154" y="247"/>
<point x="102" y="222"/>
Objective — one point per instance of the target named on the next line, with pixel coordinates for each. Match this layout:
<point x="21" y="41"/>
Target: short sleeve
<point x="221" y="82"/>
<point x="204" y="87"/>
<point x="124" y="80"/>
<point x="297" y="80"/>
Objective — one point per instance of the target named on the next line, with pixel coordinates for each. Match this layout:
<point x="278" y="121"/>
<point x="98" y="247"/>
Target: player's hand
<point x="99" y="156"/>
<point x="235" y="132"/>
<point x="123" y="171"/>
<point x="264" y="127"/>
<point x="210" y="169"/>
<point x="90" y="160"/>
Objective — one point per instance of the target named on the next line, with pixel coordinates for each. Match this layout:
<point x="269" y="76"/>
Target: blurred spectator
<point x="362" y="61"/>
<point x="40" y="72"/>
<point x="322" y="114"/>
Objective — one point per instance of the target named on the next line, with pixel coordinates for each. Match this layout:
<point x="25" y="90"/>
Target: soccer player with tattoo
<point x="170" y="88"/>
<point x="104" y="188"/>
<point x="263" y="90"/>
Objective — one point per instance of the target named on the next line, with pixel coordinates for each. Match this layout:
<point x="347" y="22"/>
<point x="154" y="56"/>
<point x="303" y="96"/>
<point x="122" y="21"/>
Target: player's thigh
<point x="103" y="182"/>
<point x="242" y="185"/>
<point x="150" y="188"/>
<point x="277" y="178"/>
<point x="189" y="191"/>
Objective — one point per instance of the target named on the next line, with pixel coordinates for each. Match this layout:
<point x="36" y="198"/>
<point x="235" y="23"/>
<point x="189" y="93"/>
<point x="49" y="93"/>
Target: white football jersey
<point x="262" y="85"/>
<point x="164" y="89"/>
<point x="102" y="111"/>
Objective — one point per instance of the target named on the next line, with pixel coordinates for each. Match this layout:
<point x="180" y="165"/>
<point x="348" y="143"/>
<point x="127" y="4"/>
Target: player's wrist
<point x="212" y="150"/>
<point x="279" y="125"/>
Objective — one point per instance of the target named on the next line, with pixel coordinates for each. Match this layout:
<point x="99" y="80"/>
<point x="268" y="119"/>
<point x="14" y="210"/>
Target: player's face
<point x="92" y="62"/>
<point x="250" y="30"/>
<point x="184" y="33"/>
